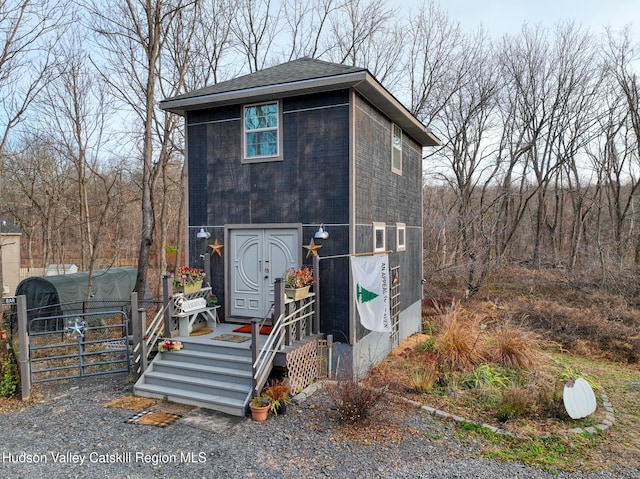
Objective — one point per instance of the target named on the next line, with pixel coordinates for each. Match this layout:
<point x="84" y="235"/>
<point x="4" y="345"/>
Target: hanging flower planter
<point x="297" y="293"/>
<point x="297" y="282"/>
<point x="188" y="280"/>
<point x="189" y="288"/>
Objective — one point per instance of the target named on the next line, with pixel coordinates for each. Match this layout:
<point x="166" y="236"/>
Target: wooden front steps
<point x="205" y="373"/>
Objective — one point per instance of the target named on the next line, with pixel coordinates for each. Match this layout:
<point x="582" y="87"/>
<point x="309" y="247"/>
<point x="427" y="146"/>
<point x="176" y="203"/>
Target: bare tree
<point x="622" y="57"/>
<point x="254" y="27"/>
<point x="173" y="70"/>
<point x="211" y="60"/>
<point x="132" y="36"/>
<point x="305" y="27"/>
<point x="26" y="30"/>
<point x="36" y="197"/>
<point x="75" y="106"/>
<point x="547" y="96"/>
<point x="611" y="161"/>
<point x="362" y="34"/>
<point x="467" y="152"/>
<point x="430" y="65"/>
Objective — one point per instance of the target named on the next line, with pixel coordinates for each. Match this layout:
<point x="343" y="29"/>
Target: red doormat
<point x="247" y="329"/>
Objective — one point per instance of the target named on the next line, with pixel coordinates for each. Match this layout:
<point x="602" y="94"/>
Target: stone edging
<point x="603" y="426"/>
<point x="303" y="395"/>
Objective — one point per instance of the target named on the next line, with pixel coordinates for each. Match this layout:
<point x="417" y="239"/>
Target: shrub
<point x="9" y="376"/>
<point x="427" y="326"/>
<point x="545" y="389"/>
<point x="515" y="403"/>
<point x="354" y="401"/>
<point x="567" y="373"/>
<point x="550" y="402"/>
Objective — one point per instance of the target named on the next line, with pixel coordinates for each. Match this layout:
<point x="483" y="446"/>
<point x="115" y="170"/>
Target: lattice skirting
<point x="302" y="366"/>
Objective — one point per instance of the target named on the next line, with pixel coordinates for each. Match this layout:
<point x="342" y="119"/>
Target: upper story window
<point x="379" y="237"/>
<point x="261" y="131"/>
<point x="401" y="237"/>
<point x="396" y="149"/>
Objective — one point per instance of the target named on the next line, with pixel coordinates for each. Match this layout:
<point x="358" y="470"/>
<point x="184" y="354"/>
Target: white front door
<point x="258" y="257"/>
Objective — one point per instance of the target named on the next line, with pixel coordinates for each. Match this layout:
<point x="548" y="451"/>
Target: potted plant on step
<point x="259" y="406"/>
<point x="297" y="282"/>
<point x="278" y="393"/>
<point x="169" y="345"/>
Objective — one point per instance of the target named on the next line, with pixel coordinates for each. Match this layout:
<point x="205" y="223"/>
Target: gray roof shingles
<point x="294" y="71"/>
<point x="307" y="73"/>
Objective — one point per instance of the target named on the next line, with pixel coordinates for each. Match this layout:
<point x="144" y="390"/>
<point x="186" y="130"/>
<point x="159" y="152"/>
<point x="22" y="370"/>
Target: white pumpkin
<point x="579" y="399"/>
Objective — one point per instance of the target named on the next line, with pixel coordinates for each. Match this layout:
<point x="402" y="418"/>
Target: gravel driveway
<point x="70" y="433"/>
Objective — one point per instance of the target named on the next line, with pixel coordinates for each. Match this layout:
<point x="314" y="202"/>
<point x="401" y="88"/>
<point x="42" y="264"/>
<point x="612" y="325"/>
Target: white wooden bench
<point x="190" y="309"/>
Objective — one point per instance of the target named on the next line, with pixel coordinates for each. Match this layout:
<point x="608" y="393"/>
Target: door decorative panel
<point x="258" y="257"/>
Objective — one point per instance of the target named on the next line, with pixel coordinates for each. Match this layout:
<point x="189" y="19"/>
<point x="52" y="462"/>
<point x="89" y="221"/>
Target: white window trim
<point x="401" y="246"/>
<point x="262" y="158"/>
<point x="395" y="148"/>
<point x="379" y="227"/>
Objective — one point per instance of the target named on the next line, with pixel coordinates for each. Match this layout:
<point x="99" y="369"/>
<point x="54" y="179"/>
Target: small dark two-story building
<point x="276" y="156"/>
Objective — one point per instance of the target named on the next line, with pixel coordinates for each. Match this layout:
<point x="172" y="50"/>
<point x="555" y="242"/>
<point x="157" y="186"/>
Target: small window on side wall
<point x="396" y="149"/>
<point x="261" y="131"/>
<point x="401" y="237"/>
<point x="379" y="237"/>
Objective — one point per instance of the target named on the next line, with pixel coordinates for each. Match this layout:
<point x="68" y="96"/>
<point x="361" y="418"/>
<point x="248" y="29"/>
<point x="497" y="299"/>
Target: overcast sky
<point x="507" y="16"/>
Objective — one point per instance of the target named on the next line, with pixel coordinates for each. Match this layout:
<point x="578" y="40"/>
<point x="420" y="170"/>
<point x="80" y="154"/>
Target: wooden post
<point x="329" y="356"/>
<point x="289" y="308"/>
<point x="278" y="302"/>
<point x="255" y="349"/>
<point x="23" y="337"/>
<point x="142" y="316"/>
<point x="206" y="258"/>
<point x="136" y="333"/>
<point x="278" y="298"/>
<point x="315" y="328"/>
<point x="167" y="292"/>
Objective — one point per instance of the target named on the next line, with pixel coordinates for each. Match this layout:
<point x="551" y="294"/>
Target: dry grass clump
<point x="422" y="376"/>
<point x="457" y="338"/>
<point x="513" y="346"/>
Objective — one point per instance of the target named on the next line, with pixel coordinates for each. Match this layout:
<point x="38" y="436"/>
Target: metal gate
<point x="87" y="344"/>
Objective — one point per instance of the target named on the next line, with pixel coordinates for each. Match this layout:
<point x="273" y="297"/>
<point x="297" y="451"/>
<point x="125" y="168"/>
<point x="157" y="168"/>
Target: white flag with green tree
<point x="371" y="291"/>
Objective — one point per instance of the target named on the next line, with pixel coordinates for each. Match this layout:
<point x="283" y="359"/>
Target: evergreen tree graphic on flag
<point x="371" y="291"/>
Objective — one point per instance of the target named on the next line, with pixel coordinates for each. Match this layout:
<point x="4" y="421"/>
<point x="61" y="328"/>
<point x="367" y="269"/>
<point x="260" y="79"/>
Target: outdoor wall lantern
<point x="321" y="233"/>
<point x="202" y="234"/>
